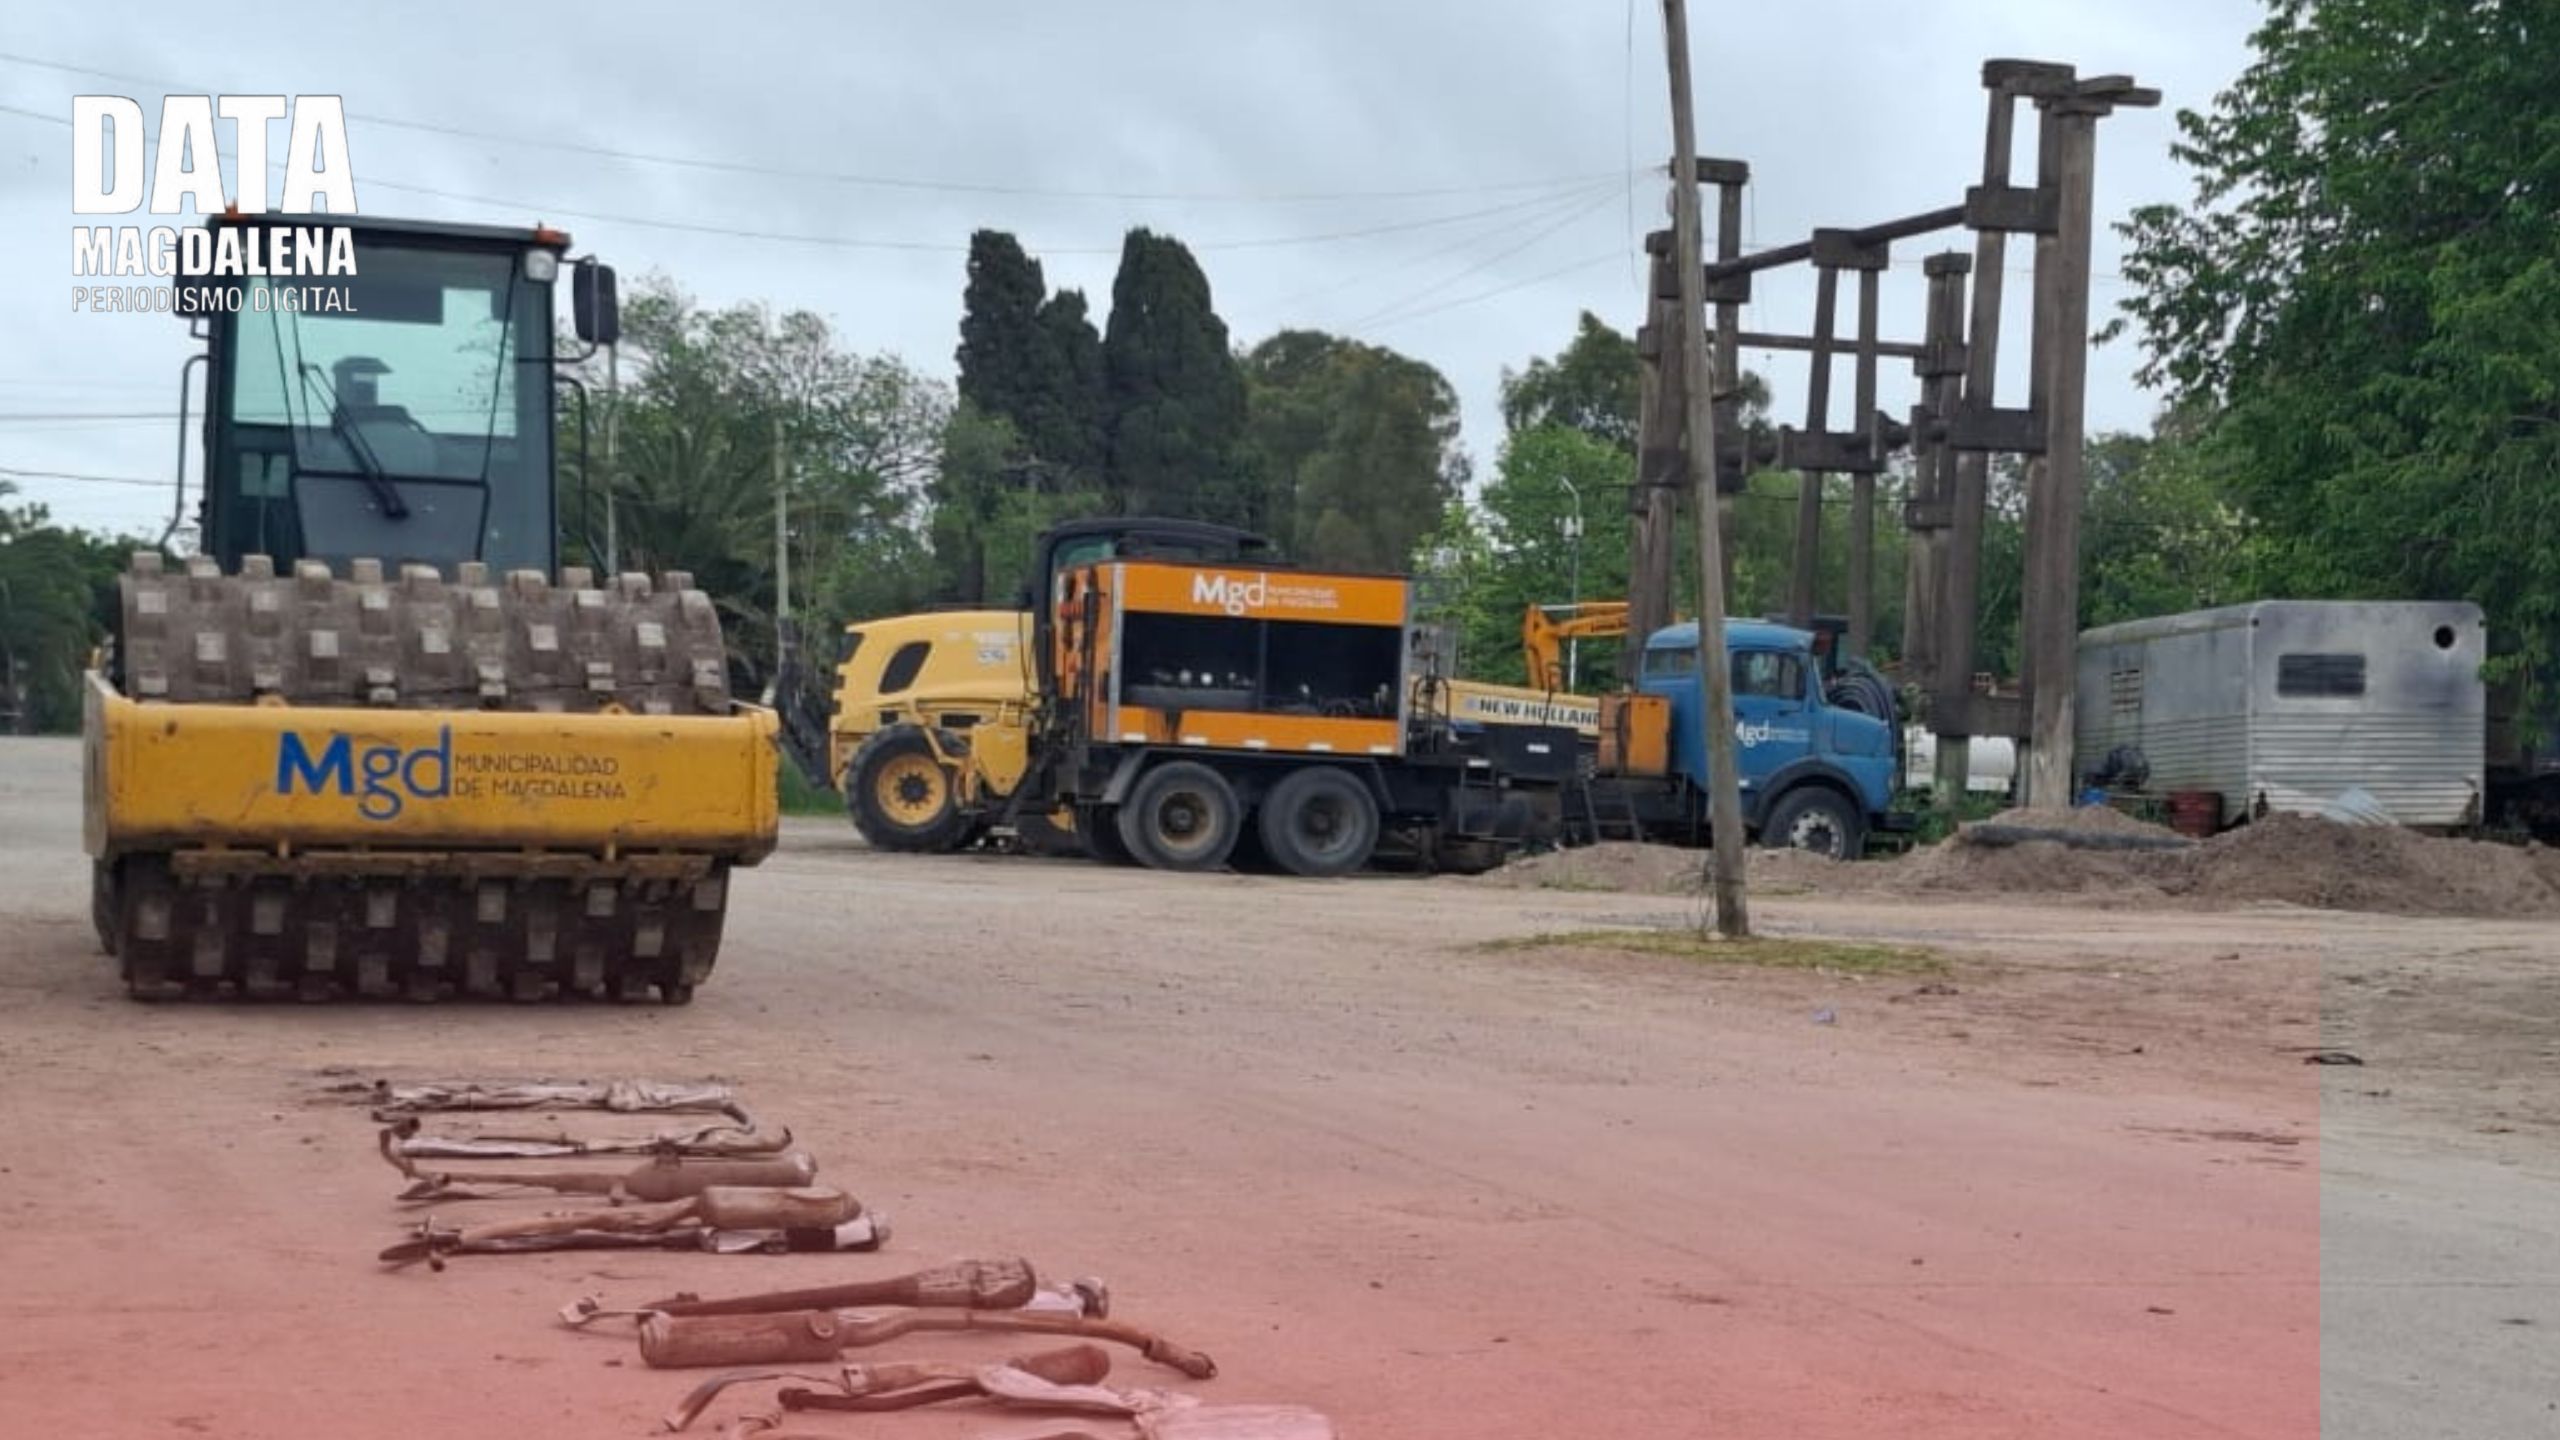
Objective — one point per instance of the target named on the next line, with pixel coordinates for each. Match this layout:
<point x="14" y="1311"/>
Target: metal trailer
<point x="2292" y="704"/>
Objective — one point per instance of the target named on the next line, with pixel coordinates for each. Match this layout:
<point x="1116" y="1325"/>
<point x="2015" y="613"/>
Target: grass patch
<point x="1577" y="883"/>
<point x="799" y="797"/>
<point x="1768" y="953"/>
<point x="1936" y="823"/>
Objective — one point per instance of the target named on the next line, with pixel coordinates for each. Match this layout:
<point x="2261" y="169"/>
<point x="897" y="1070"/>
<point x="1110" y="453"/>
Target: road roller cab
<point x="374" y="739"/>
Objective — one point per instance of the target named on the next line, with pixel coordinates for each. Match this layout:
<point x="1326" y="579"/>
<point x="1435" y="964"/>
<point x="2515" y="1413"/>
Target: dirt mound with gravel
<point x="1961" y="867"/>
<point x="2283" y="859"/>
<point x="2303" y="860"/>
<point x="1621" y="866"/>
<point x="2080" y="820"/>
<point x="1627" y="868"/>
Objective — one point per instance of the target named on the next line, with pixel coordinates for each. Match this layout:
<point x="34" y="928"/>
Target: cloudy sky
<point x="1448" y="177"/>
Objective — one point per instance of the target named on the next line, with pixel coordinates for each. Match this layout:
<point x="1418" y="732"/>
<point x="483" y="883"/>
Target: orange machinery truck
<point x="1192" y="713"/>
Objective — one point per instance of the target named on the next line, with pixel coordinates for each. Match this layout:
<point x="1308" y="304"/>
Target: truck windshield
<point x="414" y="424"/>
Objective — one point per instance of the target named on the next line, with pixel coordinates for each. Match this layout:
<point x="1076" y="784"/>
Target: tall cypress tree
<point x="1175" y="393"/>
<point x="1001" y="340"/>
<point x="1065" y="427"/>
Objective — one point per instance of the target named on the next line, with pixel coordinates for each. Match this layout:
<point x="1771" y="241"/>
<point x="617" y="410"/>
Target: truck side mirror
<point x="595" y="303"/>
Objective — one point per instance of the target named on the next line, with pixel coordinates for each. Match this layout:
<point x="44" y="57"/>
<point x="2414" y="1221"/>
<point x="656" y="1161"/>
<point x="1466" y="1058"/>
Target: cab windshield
<point x="413" y="425"/>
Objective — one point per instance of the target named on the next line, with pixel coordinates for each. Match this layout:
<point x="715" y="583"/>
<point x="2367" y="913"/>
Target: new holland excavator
<point x="373" y="740"/>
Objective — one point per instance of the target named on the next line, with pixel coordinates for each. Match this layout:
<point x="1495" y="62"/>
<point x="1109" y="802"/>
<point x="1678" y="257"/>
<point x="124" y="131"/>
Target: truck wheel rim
<point x="1323" y="823"/>
<point x="911" y="789"/>
<point x="1182" y="823"/>
<point x="1815" y="833"/>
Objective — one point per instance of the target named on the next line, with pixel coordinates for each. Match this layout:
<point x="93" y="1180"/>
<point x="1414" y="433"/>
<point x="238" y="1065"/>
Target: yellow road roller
<point x="373" y="740"/>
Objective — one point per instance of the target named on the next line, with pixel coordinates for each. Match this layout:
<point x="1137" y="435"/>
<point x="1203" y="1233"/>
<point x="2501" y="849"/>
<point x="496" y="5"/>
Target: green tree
<point x="1592" y="385"/>
<point x="2157" y="535"/>
<point x="989" y="504"/>
<point x="1355" y="448"/>
<point x="57" y="594"/>
<point x="1065" y="427"/>
<point x="2365" y="297"/>
<point x="1176" y="395"/>
<point x="1521" y="554"/>
<point x="707" y="396"/>
<point x="1004" y="352"/>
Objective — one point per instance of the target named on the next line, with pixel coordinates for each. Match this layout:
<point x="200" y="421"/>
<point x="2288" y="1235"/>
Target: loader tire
<point x="900" y="796"/>
<point x="1319" y="822"/>
<point x="1181" y="816"/>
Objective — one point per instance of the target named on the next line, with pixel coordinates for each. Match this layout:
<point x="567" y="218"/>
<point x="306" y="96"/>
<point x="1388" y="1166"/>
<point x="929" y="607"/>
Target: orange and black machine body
<point x="1198" y="710"/>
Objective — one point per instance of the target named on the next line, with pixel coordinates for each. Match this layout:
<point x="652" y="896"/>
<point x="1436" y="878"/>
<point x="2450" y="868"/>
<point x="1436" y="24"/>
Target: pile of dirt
<point x="2039" y="867"/>
<point x="2081" y="820"/>
<point x="2283" y="859"/>
<point x="2303" y="860"/>
<point x="1625" y="868"/>
<point x="1619" y="866"/>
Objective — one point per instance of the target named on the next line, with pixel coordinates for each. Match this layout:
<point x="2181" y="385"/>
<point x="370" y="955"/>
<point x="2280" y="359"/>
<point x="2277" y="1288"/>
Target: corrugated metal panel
<point x="2423" y="767"/>
<point x="2201" y="754"/>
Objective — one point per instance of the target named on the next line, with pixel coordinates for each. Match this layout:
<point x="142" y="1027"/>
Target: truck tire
<point x="1818" y="820"/>
<point x="1098" y="831"/>
<point x="102" y="903"/>
<point x="1048" y="834"/>
<point x="1319" y="822"/>
<point x="899" y="795"/>
<point x="1181" y="816"/>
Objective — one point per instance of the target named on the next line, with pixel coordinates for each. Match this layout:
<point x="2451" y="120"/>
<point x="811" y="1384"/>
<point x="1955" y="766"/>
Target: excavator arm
<point x="1545" y="628"/>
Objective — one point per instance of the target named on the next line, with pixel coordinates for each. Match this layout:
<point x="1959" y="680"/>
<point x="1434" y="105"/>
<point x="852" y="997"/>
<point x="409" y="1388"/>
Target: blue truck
<point x="1820" y="756"/>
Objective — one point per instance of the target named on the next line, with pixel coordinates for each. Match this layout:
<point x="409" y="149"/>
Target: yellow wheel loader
<point x="927" y="728"/>
<point x="373" y="740"/>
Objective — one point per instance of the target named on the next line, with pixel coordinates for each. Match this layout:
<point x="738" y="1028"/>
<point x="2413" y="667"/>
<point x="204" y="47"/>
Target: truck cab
<point x="1814" y="775"/>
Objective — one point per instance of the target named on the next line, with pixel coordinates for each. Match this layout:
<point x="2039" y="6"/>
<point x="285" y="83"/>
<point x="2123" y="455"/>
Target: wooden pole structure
<point x="1729" y="176"/>
<point x="1724" y="805"/>
<point x="1862" y="494"/>
<point x="612" y="456"/>
<point x="1959" y="612"/>
<point x="1932" y="471"/>
<point x="781" y="548"/>
<point x="1803" y="577"/>
<point x="2051" y="638"/>
<point x="1659" y="473"/>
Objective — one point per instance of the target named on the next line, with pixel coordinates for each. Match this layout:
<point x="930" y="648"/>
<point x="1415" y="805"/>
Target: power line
<point x="1388" y="313"/>
<point x="846" y="242"/>
<point x="885" y="182"/>
<point x="1436" y="250"/>
<point x="1505" y="289"/>
<point x="43" y="415"/>
<point x="13" y="472"/>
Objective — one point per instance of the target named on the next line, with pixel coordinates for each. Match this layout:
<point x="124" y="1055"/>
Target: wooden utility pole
<point x="2051" y="641"/>
<point x="1724" y="803"/>
<point x="1804" y="575"/>
<point x="1659" y="466"/>
<point x="1862" y="494"/>
<point x="1969" y="497"/>
<point x="781" y="547"/>
<point x="1930" y="503"/>
<point x="612" y="432"/>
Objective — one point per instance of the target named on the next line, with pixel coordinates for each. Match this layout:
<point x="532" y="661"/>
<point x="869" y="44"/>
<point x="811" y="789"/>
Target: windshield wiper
<point x="343" y="425"/>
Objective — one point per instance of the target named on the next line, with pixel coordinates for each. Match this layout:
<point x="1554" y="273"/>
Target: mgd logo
<point x="387" y="776"/>
<point x="1230" y="594"/>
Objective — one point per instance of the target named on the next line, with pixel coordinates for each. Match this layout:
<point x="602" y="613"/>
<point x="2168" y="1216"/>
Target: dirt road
<point x="2071" y="1186"/>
